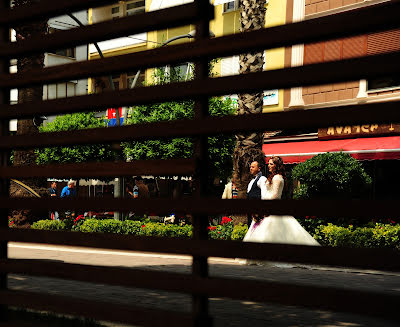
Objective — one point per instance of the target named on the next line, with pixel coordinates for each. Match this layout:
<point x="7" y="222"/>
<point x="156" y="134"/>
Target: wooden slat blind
<point x="348" y="25"/>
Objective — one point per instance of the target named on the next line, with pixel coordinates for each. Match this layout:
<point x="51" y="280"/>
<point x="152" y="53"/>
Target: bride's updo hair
<point x="279" y="168"/>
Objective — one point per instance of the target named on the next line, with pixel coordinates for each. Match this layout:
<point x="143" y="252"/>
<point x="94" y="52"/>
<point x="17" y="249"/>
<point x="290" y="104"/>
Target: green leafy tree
<point x="330" y="175"/>
<point x="220" y="147"/>
<point x="79" y="153"/>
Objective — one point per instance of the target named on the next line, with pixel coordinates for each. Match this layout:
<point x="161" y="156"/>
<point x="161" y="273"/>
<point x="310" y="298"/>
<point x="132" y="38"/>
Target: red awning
<point x="375" y="148"/>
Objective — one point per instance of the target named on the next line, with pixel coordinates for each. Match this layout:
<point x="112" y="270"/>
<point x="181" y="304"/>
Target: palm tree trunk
<point x="249" y="145"/>
<point x="26" y="126"/>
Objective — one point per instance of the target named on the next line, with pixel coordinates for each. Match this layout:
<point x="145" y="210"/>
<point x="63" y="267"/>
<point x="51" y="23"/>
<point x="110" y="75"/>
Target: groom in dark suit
<point x="254" y="189"/>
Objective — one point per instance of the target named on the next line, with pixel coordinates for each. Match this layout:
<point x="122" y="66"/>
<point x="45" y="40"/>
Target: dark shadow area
<point x="228" y="312"/>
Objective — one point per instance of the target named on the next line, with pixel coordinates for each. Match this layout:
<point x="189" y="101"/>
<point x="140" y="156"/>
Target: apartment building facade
<point x="377" y="145"/>
<point x="59" y="57"/>
<point x="226" y="22"/>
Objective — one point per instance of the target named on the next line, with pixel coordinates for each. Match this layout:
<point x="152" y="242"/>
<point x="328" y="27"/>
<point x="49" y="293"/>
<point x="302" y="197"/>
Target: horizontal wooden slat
<point x="382" y="16"/>
<point x="337" y="299"/>
<point x="365" y="209"/>
<point x="103" y="169"/>
<point x="379" y="259"/>
<point x="47" y="9"/>
<point x="155" y="20"/>
<point x="95" y="309"/>
<point x="336" y="71"/>
<point x="330" y="116"/>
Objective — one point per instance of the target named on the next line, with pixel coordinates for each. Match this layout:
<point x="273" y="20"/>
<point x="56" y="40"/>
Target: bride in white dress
<point x="277" y="229"/>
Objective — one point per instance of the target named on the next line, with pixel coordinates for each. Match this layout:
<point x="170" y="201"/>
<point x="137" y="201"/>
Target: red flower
<point x="225" y="220"/>
<point x="214" y="228"/>
<point x="143" y="226"/>
<point x="219" y="232"/>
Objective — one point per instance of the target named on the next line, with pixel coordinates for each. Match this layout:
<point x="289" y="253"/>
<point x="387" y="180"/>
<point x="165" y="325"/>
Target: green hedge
<point x="50" y="225"/>
<point x="134" y="227"/>
<point x="376" y="236"/>
<point x="379" y="236"/>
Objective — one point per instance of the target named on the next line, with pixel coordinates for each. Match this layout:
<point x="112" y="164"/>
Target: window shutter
<point x="333" y="50"/>
<point x="354" y="46"/>
<point x="383" y="42"/>
<point x="313" y="53"/>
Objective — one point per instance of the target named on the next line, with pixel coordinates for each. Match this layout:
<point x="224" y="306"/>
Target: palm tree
<point x="249" y="145"/>
<point x="26" y="126"/>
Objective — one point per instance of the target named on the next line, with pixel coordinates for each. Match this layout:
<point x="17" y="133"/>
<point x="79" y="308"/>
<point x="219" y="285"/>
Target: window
<point x="128" y="8"/>
<point x="116" y="81"/>
<point x="135" y="7"/>
<point x="383" y="42"/>
<point x="174" y="73"/>
<point x="69" y="52"/>
<point x="115" y="12"/>
<point x="383" y="83"/>
<point x="131" y="77"/>
<point x="231" y="6"/>
<point x="60" y="90"/>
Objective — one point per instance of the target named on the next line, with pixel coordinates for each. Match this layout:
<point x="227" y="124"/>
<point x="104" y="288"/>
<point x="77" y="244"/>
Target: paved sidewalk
<point x="226" y="312"/>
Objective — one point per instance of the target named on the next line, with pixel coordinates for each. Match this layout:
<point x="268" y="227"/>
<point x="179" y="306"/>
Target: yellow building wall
<point x="228" y="23"/>
<point x="223" y="24"/>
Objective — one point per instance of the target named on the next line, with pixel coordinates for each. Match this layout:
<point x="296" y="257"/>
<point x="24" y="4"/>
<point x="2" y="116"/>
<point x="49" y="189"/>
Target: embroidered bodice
<point x="273" y="190"/>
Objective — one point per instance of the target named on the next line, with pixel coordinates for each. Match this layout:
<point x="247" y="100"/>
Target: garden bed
<point x="372" y="235"/>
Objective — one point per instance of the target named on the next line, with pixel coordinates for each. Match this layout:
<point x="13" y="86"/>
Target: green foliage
<point x="238" y="233"/>
<point x="330" y="175"/>
<point x="378" y="236"/>
<point x="220" y="147"/>
<point x="374" y="235"/>
<point x="49" y="225"/>
<point x="134" y="227"/>
<point x="81" y="153"/>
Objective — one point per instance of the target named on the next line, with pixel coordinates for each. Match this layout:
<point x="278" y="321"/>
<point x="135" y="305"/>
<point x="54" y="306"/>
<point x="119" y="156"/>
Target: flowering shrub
<point x="78" y="221"/>
<point x="11" y="223"/>
<point x="225" y="220"/>
<point x="222" y="231"/>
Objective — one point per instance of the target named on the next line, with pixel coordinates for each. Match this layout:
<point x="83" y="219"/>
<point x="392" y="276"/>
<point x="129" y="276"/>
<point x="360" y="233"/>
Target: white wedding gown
<point x="277" y="229"/>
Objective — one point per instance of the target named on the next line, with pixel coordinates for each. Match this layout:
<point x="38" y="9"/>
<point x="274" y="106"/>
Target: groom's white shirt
<point x="260" y="183"/>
